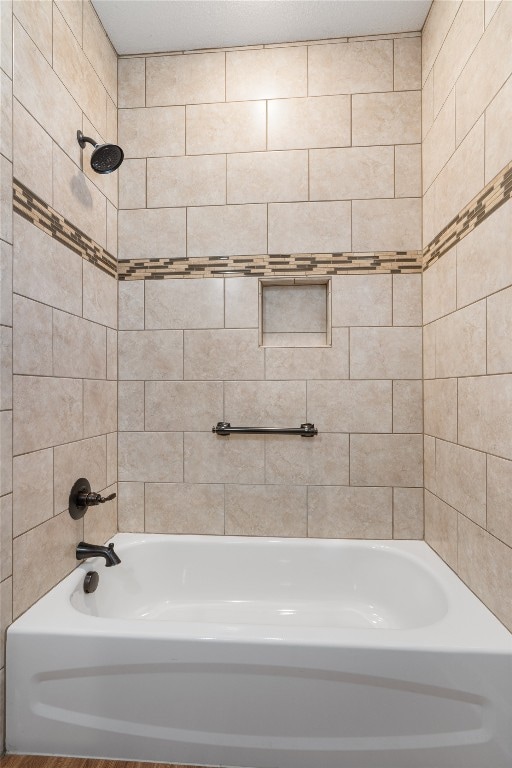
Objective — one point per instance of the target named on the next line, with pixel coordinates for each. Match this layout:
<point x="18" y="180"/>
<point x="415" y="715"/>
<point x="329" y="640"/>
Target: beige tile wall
<point x="6" y="240"/>
<point x="467" y="298"/>
<point x="189" y="357"/>
<point x="298" y="148"/>
<point x="58" y="313"/>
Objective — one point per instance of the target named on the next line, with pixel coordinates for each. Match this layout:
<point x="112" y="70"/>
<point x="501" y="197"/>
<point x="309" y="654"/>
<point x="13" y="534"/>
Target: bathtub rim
<point x="469" y="625"/>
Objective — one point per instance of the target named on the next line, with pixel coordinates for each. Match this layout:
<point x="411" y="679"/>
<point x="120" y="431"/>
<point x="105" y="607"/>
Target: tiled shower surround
<point x="287" y="160"/>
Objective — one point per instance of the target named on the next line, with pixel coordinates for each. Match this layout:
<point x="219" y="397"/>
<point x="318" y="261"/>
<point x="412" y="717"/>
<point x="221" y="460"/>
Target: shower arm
<point x="82" y="140"/>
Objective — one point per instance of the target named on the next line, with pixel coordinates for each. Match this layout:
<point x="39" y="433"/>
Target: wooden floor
<point x="36" y="761"/>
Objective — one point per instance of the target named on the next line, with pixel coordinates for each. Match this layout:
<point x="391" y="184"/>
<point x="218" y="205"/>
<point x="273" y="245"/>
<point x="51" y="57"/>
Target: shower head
<point x="105" y="158"/>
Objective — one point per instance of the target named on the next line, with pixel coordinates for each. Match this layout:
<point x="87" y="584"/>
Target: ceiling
<point x="151" y="26"/>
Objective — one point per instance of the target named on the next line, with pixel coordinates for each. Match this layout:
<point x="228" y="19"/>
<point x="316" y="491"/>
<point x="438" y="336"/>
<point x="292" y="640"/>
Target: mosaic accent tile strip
<point x="492" y="196"/>
<point x="274" y="265"/>
<point x="39" y="213"/>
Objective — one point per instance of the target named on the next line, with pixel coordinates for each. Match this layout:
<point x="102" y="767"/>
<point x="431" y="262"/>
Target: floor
<point x="36" y="761"/>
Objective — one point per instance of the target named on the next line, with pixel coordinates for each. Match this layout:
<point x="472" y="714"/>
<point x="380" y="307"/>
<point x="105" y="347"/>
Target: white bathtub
<point x="264" y="652"/>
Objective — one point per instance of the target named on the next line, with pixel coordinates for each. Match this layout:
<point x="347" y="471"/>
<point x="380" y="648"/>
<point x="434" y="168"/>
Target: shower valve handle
<point x="92" y="499"/>
<point x="81" y="498"/>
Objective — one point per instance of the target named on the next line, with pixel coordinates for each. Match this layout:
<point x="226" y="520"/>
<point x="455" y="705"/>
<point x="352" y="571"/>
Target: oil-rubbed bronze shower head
<point x="106" y="158"/>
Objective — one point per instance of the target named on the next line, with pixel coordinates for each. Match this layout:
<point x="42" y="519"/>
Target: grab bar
<point x="224" y="428"/>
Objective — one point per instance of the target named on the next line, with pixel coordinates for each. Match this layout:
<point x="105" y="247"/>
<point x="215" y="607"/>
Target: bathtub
<point x="284" y="653"/>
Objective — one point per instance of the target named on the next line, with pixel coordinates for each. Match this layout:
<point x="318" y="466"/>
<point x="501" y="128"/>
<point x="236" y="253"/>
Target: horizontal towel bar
<point x="224" y="428"/>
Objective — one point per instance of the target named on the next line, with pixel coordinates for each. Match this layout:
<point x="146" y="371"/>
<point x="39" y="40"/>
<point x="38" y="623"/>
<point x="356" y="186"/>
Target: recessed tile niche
<point x="295" y="312"/>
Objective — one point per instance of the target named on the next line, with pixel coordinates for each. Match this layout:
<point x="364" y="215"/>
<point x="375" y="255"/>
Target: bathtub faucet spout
<point x="85" y="550"/>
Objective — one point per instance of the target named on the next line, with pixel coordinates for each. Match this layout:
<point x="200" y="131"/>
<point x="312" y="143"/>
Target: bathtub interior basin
<point x="201" y="579"/>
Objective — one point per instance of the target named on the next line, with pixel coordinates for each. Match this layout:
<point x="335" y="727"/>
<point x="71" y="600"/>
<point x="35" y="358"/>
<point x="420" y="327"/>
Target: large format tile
<point x="79" y="347"/>
<point x="183" y="406"/>
<point x="6" y="370"/>
<point x="491" y="398"/>
<point x="179" y="304"/>
<point x="323" y="459"/>
<point x="6" y="421"/>
<point x="407" y="63"/>
<point x="499" y="332"/>
<point x="408" y="516"/>
<point x="47" y="411"/>
<point x="461" y="38"/>
<point x="386" y="460"/>
<point x="499" y="498"/>
<point x="311" y="362"/>
<point x="361" y="300"/>
<point x="498" y="140"/>
<point x="194" y="79"/>
<point x="6" y="538"/>
<point x="130" y="503"/>
<point x="386" y="118"/>
<point x="100" y="407"/>
<point x="266" y="73"/>
<point x="32" y="490"/>
<point x="99" y="50"/>
<point x="386" y="225"/>
<point x="131" y="305"/>
<point x="241" y="302"/>
<point x="267" y="177"/>
<point x="319" y="227"/>
<point x="460" y="479"/>
<point x="76" y="72"/>
<point x="350" y="513"/>
<point x="439" y="143"/>
<point x="58" y="536"/>
<point x="130" y="406"/>
<point x="385" y="353"/>
<point x="184" y="508"/>
<point x="407" y="298"/>
<point x="233" y="127"/>
<point x="350" y="406"/>
<point x="440" y="405"/>
<point x="408" y="406"/>
<point x="32" y="337"/>
<point x="265" y="403"/>
<point x="32" y="153"/>
<point x="186" y="181"/>
<point x="352" y="172"/>
<point x="150" y="355"/>
<point x="439" y="21"/>
<point x="266" y="510"/>
<point x="152" y="234"/>
<point x="100" y="296"/>
<point x="222" y="355"/>
<point x="36" y="18"/>
<point x="131" y="84"/>
<point x="486" y="71"/>
<point x="353" y="67"/>
<point x="489" y="243"/>
<point x="152" y="132"/>
<point x="214" y="459"/>
<point x="441" y="528"/>
<point x="440" y="287"/>
<point x="322" y="121"/>
<point x="151" y="457"/>
<point x="485" y="564"/>
<point x="229" y="230"/>
<point x="57" y="112"/>
<point x="461" y="342"/>
<point x="408" y="170"/>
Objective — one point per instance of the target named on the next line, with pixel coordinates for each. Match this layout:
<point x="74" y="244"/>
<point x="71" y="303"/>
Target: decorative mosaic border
<point x="39" y="213"/>
<point x="492" y="196"/>
<point x="274" y="265"/>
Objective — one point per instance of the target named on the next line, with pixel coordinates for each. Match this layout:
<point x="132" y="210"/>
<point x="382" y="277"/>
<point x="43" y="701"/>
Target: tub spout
<point x="85" y="550"/>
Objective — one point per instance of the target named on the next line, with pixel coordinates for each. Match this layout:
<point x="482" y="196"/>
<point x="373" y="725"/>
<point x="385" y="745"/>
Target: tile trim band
<point x="488" y="200"/>
<point x="43" y="216"/>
